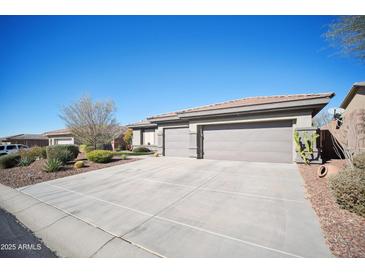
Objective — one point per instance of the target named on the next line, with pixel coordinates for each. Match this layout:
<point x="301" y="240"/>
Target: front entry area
<point x="254" y="142"/>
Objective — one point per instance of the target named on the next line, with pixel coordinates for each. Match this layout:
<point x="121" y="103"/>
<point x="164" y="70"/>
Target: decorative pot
<point x="327" y="170"/>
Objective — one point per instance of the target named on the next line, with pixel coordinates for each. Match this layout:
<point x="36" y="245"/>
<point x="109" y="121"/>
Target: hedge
<point x="64" y="153"/>
<point x="348" y="187"/>
<point x="100" y="156"/>
<point x="9" y="161"/>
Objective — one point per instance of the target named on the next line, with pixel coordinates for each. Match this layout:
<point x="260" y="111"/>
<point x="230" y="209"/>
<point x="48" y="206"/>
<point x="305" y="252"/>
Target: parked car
<point x="12" y="148"/>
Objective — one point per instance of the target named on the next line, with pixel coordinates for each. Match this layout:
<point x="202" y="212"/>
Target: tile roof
<point x="64" y="131"/>
<point x="249" y="101"/>
<point x="26" y="137"/>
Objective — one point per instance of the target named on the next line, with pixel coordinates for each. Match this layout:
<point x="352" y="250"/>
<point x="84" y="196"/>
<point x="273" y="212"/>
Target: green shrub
<point x="123" y="157"/>
<point x="359" y="161"/>
<point x="86" y="148"/>
<point x="73" y="149"/>
<point x="52" y="165"/>
<point x="79" y="164"/>
<point x="141" y="149"/>
<point x="100" y="156"/>
<point x="25" y="161"/>
<point x="349" y="189"/>
<point x="37" y="152"/>
<point x="9" y="161"/>
<point x="64" y="153"/>
<point x="82" y="148"/>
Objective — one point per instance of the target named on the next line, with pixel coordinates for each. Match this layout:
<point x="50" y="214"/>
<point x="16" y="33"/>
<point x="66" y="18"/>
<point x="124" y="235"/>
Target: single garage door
<point x="256" y="142"/>
<point x="177" y="142"/>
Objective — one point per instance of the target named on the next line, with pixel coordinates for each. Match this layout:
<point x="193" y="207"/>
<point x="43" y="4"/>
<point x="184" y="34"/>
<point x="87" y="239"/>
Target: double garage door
<point x="256" y="142"/>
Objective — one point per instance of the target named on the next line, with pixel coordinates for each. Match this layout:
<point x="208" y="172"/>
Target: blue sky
<point x="156" y="64"/>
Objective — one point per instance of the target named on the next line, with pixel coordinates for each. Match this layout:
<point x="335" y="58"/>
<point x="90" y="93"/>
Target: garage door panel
<point x="261" y="142"/>
<point x="177" y="142"/>
<point x="247" y="146"/>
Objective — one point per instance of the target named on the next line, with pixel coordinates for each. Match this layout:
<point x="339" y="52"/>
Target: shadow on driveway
<point x="16" y="241"/>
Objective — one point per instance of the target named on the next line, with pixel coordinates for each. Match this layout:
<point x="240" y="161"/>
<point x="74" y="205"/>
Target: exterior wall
<point x="358" y="101"/>
<point x="148" y="137"/>
<point x="136" y="140"/>
<point x="298" y="118"/>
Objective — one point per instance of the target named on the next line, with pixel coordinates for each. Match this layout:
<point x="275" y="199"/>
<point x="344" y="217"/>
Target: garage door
<point x="65" y="141"/>
<point x="177" y="142"/>
<point x="256" y="142"/>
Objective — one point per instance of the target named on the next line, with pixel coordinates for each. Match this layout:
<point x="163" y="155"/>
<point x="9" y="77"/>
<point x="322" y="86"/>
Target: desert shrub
<point x="348" y="187"/>
<point x="100" y="156"/>
<point x="37" y="152"/>
<point x="141" y="149"/>
<point x="32" y="154"/>
<point x="79" y="164"/>
<point x="64" y="153"/>
<point x="25" y="161"/>
<point x="52" y="165"/>
<point x="359" y="161"/>
<point x="123" y="157"/>
<point x="9" y="161"/>
<point x="82" y="148"/>
<point x="86" y="148"/>
<point x="73" y="149"/>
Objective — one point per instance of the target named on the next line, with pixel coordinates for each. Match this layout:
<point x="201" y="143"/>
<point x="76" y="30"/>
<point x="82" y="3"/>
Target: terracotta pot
<point x="327" y="170"/>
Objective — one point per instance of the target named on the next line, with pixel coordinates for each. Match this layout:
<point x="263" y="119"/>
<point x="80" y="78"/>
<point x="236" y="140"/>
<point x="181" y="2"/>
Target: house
<point x="118" y="141"/>
<point x="256" y="129"/>
<point x="60" y="137"/>
<point x="65" y="136"/>
<point x="349" y="134"/>
<point x="355" y="98"/>
<point x="29" y="140"/>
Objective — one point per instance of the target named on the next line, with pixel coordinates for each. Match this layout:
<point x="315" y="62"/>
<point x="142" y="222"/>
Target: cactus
<point x="304" y="145"/>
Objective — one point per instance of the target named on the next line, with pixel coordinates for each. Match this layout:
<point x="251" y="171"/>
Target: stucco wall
<point x="358" y="101"/>
<point x="136" y="140"/>
<point x="298" y="118"/>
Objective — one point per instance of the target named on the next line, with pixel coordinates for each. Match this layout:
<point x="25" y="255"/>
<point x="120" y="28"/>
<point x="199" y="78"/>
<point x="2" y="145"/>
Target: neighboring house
<point x="64" y="136"/>
<point x="351" y="133"/>
<point x="118" y="142"/>
<point x="29" y="140"/>
<point x="60" y="137"/>
<point x="355" y="99"/>
<point x="250" y="129"/>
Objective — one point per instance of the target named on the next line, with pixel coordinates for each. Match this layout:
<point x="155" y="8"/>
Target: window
<point x="11" y="147"/>
<point x="2" y="147"/>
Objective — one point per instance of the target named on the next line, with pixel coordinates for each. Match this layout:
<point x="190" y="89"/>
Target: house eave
<point x="315" y="105"/>
<point x="351" y="94"/>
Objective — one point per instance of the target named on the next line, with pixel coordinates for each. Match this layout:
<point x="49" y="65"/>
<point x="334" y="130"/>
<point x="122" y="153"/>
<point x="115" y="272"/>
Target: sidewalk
<point x="64" y="234"/>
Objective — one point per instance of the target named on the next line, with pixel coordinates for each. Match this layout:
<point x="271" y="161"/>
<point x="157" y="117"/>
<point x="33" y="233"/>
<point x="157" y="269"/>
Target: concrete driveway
<point x="176" y="207"/>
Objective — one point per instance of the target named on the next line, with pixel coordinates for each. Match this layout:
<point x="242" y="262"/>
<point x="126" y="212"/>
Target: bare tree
<point x="322" y="118"/>
<point x="348" y="34"/>
<point x="92" y="123"/>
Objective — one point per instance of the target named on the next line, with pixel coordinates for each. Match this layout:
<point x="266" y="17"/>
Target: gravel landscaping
<point x="344" y="231"/>
<point x="22" y="176"/>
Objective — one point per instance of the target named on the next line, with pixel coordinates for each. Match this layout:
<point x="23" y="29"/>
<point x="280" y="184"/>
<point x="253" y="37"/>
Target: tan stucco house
<point x="60" y="137"/>
<point x="256" y="129"/>
<point x="355" y="99"/>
